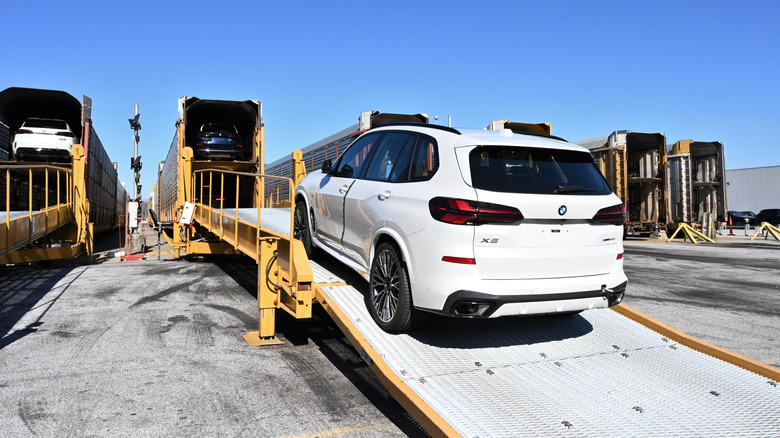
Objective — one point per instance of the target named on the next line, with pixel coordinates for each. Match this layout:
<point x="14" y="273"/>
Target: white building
<point x="753" y="189"/>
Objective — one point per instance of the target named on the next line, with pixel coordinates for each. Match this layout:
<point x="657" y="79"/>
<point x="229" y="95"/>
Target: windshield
<point x="516" y="169"/>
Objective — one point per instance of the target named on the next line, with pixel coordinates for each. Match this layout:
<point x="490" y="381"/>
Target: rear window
<point x="513" y="169"/>
<point x="45" y="123"/>
<point x="214" y="127"/>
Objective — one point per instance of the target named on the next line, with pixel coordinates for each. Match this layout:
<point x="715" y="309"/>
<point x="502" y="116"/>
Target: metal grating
<point x="593" y="374"/>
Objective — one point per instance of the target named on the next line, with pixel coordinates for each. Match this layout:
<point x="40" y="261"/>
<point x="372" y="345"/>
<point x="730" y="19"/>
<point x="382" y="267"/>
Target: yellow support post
<point x="299" y="168"/>
<point x="267" y="296"/>
<point x="184" y="194"/>
<point x="690" y="234"/>
<point x="770" y="229"/>
<point x="80" y="202"/>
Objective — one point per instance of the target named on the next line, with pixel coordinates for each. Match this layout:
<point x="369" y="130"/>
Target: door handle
<point x="384" y="195"/>
<point x="343" y="189"/>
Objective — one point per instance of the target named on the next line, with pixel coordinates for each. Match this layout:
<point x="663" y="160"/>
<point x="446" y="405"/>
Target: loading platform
<point x="599" y="373"/>
<point x="47" y="201"/>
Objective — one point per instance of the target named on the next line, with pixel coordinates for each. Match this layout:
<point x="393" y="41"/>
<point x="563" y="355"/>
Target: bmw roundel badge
<point x="562" y="210"/>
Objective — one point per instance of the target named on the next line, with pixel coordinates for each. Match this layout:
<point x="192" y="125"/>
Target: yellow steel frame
<point x="770" y="230"/>
<point x="284" y="272"/>
<point x="69" y="218"/>
<point x="184" y="192"/>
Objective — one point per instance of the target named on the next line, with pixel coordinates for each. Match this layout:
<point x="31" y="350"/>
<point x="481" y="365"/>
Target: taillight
<point x="463" y="212"/>
<point x="23" y="131"/>
<point x="65" y="134"/>
<point x="614" y="215"/>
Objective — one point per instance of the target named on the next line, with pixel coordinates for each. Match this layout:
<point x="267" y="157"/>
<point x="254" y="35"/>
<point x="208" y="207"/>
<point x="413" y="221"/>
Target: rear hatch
<point x="558" y="192"/>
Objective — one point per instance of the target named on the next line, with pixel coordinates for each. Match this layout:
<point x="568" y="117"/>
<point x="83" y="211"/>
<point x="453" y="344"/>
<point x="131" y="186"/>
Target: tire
<point x="390" y="299"/>
<point x="301" y="228"/>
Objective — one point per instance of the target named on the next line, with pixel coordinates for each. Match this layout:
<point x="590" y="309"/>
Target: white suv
<point x="467" y="223"/>
<point x="43" y="139"/>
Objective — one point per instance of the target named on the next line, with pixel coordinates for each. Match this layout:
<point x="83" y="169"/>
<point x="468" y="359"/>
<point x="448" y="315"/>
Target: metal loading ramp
<point x="593" y="374"/>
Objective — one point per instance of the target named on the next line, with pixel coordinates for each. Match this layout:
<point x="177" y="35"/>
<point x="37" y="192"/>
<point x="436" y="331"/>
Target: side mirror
<point x="327" y="165"/>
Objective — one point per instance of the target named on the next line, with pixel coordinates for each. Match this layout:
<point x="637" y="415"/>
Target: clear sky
<point x="700" y="70"/>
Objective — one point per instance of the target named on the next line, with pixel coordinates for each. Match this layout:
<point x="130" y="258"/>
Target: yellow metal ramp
<point x="38" y="200"/>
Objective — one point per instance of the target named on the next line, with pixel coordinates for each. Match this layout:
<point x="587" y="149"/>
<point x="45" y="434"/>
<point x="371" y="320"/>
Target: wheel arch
<point x="391" y="236"/>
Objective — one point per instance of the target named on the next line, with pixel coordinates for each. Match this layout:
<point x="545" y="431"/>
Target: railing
<point x="221" y="195"/>
<point x="38" y="199"/>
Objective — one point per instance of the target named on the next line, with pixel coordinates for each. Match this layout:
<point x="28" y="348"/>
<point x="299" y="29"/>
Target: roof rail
<point x="422" y="125"/>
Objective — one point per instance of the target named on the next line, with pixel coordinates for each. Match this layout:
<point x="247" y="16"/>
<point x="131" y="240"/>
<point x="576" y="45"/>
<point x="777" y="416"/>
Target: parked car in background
<point x="771" y="215"/>
<point x="740" y="218"/>
<point x="219" y="141"/>
<point x="43" y="140"/>
<point x="467" y="223"/>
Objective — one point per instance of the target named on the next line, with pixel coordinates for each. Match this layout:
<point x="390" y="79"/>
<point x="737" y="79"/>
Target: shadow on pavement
<point x="21" y="290"/>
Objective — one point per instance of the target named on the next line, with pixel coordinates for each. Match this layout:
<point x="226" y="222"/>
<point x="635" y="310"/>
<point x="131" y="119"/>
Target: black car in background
<point x="771" y="215"/>
<point x="218" y="141"/>
<point x="740" y="218"/>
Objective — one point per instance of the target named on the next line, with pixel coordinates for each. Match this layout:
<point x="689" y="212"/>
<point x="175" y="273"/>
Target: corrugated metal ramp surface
<point x="593" y="374"/>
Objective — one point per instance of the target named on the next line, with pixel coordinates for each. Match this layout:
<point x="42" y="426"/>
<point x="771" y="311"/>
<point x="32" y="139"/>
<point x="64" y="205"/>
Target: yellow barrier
<point x="770" y="229"/>
<point x="690" y="234"/>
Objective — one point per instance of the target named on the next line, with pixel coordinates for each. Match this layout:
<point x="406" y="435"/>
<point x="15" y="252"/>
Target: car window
<point x="351" y="163"/>
<point x="384" y="161"/>
<point x="425" y="160"/>
<point x="515" y="169"/>
<point x="45" y="123"/>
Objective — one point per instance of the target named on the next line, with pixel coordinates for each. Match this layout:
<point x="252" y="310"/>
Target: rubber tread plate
<point x="593" y="374"/>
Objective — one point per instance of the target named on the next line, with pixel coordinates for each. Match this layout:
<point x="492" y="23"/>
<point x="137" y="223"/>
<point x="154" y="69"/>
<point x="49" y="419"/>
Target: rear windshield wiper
<point x="571" y="189"/>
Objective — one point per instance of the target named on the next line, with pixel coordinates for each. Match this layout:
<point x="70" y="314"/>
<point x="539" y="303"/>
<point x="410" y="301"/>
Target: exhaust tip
<point x="472" y="309"/>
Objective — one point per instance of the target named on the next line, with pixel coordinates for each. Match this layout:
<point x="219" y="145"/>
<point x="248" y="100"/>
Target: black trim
<point x="500" y="300"/>
<point x="421" y="125"/>
<point x="539" y="134"/>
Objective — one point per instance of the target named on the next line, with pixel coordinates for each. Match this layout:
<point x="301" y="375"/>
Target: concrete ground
<point x="154" y="348"/>
<point x="727" y="293"/>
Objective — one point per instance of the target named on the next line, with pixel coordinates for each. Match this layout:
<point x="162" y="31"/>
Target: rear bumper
<point x="216" y="153"/>
<point x="41" y="154"/>
<point x="491" y="305"/>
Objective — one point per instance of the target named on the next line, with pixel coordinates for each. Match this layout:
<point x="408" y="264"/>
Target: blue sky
<point x="701" y="70"/>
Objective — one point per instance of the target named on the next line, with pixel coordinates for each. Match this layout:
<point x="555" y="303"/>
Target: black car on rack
<point x="219" y="141"/>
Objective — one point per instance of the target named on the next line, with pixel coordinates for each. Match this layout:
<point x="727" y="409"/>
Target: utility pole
<point x="135" y="164"/>
<point x="134" y="241"/>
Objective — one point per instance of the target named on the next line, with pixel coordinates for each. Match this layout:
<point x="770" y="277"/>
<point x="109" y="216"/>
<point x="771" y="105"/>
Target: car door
<point x="333" y="188"/>
<point x="370" y="197"/>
